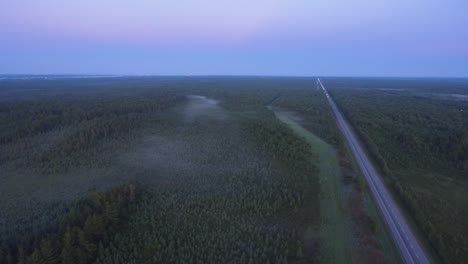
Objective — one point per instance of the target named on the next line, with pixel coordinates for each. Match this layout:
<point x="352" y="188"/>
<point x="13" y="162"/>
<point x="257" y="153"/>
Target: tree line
<point x="88" y="225"/>
<point x="420" y="145"/>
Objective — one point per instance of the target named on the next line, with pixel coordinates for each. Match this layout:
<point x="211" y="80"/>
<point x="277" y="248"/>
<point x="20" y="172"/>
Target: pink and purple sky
<point x="425" y="38"/>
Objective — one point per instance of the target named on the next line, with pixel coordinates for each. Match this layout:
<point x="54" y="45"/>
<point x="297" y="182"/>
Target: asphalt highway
<point x="404" y="238"/>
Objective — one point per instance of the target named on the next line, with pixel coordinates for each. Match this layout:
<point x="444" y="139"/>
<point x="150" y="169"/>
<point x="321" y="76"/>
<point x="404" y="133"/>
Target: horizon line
<point x="71" y="75"/>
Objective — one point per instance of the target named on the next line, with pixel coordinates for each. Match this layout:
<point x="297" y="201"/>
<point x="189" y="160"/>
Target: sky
<point x="414" y="38"/>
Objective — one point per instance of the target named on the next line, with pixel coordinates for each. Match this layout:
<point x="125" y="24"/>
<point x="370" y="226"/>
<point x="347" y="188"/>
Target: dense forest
<point x="237" y="217"/>
<point x="230" y="183"/>
<point x="177" y="170"/>
<point x="38" y="131"/>
<point x="420" y="142"/>
<point x="56" y="138"/>
<point x="88" y="226"/>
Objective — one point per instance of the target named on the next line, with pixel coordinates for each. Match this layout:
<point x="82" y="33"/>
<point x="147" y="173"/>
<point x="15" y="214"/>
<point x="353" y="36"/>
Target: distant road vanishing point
<point x="409" y="247"/>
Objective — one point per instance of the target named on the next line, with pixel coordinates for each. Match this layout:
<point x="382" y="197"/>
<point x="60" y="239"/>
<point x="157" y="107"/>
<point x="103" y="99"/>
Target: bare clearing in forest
<point x="199" y="106"/>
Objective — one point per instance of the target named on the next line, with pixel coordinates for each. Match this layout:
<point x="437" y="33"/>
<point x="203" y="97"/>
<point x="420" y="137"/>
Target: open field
<point x="419" y="143"/>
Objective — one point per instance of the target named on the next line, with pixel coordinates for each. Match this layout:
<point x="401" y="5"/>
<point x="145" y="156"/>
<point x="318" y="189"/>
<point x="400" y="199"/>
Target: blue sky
<point x="263" y="37"/>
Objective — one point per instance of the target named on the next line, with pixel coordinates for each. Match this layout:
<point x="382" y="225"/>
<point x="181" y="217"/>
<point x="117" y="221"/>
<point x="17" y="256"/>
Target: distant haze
<point x="243" y="37"/>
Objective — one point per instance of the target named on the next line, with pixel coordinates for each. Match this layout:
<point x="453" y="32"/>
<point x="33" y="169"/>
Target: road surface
<point x="409" y="247"/>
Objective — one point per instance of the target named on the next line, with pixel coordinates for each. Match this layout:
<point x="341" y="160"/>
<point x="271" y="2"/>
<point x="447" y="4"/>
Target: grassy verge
<point x="335" y="228"/>
<point x="383" y="237"/>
